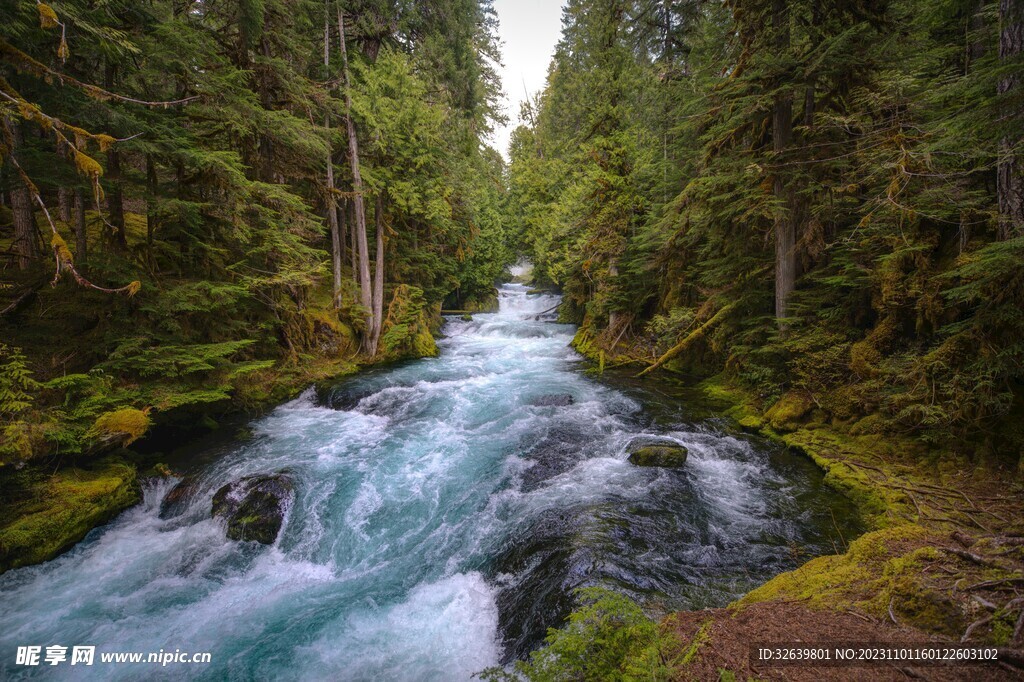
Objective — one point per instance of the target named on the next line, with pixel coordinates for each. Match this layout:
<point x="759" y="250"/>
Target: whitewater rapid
<point x="442" y="519"/>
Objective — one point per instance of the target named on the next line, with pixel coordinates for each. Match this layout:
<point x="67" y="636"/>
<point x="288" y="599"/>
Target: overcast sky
<point x="529" y="30"/>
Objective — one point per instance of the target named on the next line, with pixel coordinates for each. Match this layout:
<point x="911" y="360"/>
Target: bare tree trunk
<point x="365" y="291"/>
<point x="782" y="132"/>
<point x="337" y="245"/>
<point x="810" y="94"/>
<point x="378" y="278"/>
<point x="1010" y="174"/>
<point x="64" y="204"/>
<point x="81" y="237"/>
<point x="21" y="205"/>
<point x="151" y="218"/>
<point x="64" y="193"/>
<point x="115" y="198"/>
<point x="24" y="226"/>
<point x="613" y="316"/>
<point x="353" y="249"/>
<point x="342" y="227"/>
<point x="332" y="212"/>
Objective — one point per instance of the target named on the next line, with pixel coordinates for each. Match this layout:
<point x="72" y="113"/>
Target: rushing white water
<point x="442" y="518"/>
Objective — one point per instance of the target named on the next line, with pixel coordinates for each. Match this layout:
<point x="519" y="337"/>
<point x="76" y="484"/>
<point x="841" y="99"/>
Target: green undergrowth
<point x="44" y="515"/>
<point x="93" y="373"/>
<point x="607" y="638"/>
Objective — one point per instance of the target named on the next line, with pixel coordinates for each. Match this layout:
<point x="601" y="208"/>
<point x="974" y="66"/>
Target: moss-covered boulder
<point x="255" y="506"/>
<point x="487" y="303"/>
<point x="790" y="411"/>
<point x="661" y="455"/>
<point x="59" y="510"/>
<point x="118" y="428"/>
<point x="466" y="318"/>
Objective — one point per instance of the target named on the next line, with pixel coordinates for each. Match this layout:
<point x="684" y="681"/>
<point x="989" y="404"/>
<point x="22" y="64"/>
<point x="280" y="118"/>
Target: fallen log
<point x="690" y="338"/>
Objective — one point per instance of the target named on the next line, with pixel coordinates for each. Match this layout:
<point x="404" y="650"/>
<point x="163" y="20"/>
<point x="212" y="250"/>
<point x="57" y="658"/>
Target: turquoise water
<point x="441" y="521"/>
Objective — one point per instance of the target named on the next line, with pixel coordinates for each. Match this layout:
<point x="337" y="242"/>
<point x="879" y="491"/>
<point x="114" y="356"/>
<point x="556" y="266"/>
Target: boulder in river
<point x="177" y="498"/>
<point x="659" y="454"/>
<point x="255" y="506"/>
<point x="553" y="400"/>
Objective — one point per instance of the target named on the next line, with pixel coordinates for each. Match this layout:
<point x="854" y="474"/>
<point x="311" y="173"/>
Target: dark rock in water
<point x="345" y="398"/>
<point x="178" y="497"/>
<point x="553" y="400"/>
<point x="562" y="448"/>
<point x="544" y="568"/>
<point x="663" y="455"/>
<point x="255" y="506"/>
<point x="466" y="318"/>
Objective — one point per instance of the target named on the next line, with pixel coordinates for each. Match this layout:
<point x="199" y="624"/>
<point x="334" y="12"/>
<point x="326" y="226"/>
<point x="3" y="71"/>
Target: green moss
<point x="423" y="343"/>
<point x="740" y="405"/>
<point x="869" y="567"/>
<point x="61" y="509"/>
<point x="126" y="424"/>
<point x="583" y="343"/>
<point x="407" y="327"/>
<point x="839" y="455"/>
<point x="702" y="637"/>
<point x="487" y="304"/>
<point x="881" y="574"/>
<point x="789" y="411"/>
<point x="659" y="456"/>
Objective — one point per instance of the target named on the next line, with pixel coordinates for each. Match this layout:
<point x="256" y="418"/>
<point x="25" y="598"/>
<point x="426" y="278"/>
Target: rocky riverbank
<point x="943" y="559"/>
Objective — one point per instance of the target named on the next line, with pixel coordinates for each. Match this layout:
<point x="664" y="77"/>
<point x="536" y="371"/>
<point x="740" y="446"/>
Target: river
<point x="442" y="518"/>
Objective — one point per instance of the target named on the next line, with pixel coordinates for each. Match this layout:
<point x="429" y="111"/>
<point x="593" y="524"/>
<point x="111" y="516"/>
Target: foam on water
<point x="441" y="520"/>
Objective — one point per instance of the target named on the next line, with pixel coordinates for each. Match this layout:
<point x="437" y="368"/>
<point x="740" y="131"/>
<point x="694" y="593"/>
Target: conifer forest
<point x="301" y="368"/>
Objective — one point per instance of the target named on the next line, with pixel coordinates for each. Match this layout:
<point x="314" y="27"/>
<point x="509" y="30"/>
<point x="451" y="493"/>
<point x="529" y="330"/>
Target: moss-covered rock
<point x="659" y="456"/>
<point x="789" y="411"/>
<point x="120" y="427"/>
<point x="485" y="304"/>
<point x="61" y="509"/>
<point x="466" y="318"/>
<point x="255" y="506"/>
